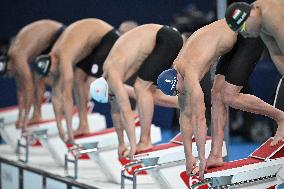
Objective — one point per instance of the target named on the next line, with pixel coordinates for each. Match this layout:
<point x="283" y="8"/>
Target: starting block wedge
<point x="264" y="168"/>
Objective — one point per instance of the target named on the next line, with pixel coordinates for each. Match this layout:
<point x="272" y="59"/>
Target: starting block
<point x="104" y="153"/>
<point x="47" y="134"/>
<point x="10" y="114"/>
<point x="264" y="168"/>
<point x="8" y="117"/>
<point x="163" y="163"/>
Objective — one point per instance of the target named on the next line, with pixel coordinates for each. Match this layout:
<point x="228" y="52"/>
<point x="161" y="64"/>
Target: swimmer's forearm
<point x="57" y="102"/>
<point x="25" y="86"/>
<point x="186" y="131"/>
<point x="119" y="129"/>
<point x="68" y="107"/>
<point x="130" y="91"/>
<point x="116" y="119"/>
<point x="200" y="140"/>
<point x="57" y="107"/>
<point x="126" y="114"/>
<point x="39" y="92"/>
<point x="21" y="106"/>
<point x="164" y="100"/>
<point x="129" y="126"/>
<point x="28" y="104"/>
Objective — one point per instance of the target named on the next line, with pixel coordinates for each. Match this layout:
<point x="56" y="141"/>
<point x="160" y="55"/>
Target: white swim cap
<point x="99" y="90"/>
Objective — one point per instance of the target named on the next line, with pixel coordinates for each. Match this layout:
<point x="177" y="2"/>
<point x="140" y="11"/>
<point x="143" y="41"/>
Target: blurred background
<point x="247" y="131"/>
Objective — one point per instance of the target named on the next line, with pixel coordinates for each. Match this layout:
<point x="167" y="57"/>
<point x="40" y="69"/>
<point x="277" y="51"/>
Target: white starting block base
<point x="10" y="114"/>
<point x="8" y="117"/>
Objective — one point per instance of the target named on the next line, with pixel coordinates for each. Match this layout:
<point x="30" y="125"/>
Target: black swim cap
<point x="42" y="65"/>
<point x="237" y="14"/>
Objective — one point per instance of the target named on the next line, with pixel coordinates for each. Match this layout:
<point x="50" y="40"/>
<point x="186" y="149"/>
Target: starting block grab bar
<point x="226" y="182"/>
<point x="25" y="146"/>
<point x="76" y="151"/>
<point x="25" y="141"/>
<point x="148" y="167"/>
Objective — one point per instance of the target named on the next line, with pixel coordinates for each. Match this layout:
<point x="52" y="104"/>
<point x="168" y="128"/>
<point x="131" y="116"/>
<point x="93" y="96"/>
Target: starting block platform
<point x="162" y="163"/>
<point x="263" y="169"/>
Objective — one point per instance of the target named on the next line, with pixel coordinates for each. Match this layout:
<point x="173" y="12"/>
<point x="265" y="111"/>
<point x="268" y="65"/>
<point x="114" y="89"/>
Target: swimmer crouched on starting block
<point x="31" y="41"/>
<point x="193" y="62"/>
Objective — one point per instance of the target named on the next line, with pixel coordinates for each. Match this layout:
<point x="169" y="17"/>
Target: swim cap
<point x="3" y="65"/>
<point x="167" y="81"/>
<point x="99" y="90"/>
<point x="42" y="65"/>
<point x="237" y="14"/>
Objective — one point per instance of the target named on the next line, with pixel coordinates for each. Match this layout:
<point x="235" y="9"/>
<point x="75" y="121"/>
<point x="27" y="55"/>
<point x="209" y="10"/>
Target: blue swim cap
<point x="167" y="81"/>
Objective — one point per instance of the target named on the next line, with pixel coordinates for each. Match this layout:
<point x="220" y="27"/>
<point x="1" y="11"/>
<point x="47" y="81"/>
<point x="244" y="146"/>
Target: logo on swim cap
<point x="237" y="14"/>
<point x="3" y="65"/>
<point x="42" y="65"/>
<point x="99" y="90"/>
<point x="167" y="81"/>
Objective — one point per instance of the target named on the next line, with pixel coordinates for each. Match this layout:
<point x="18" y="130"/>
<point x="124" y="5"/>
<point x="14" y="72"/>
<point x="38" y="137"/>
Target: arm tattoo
<point x="181" y="101"/>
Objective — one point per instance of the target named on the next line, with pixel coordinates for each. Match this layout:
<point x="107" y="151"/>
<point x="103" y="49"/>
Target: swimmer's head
<point x="251" y="25"/>
<point x="99" y="90"/>
<point x="42" y="65"/>
<point x="237" y="14"/>
<point x="167" y="82"/>
<point x="3" y="65"/>
<point x="127" y="25"/>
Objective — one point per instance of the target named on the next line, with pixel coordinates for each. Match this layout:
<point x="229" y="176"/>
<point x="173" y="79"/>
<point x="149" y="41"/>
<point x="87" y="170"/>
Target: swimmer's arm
<point x="160" y="98"/>
<point x="39" y="90"/>
<point x="115" y="115"/>
<point x="274" y="51"/>
<point x="196" y="112"/>
<point x="185" y="126"/>
<point x="130" y="91"/>
<point x="57" y="101"/>
<point x="67" y="76"/>
<point x="164" y="100"/>
<point x="21" y="105"/>
<point x="127" y="116"/>
<point x="25" y="80"/>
